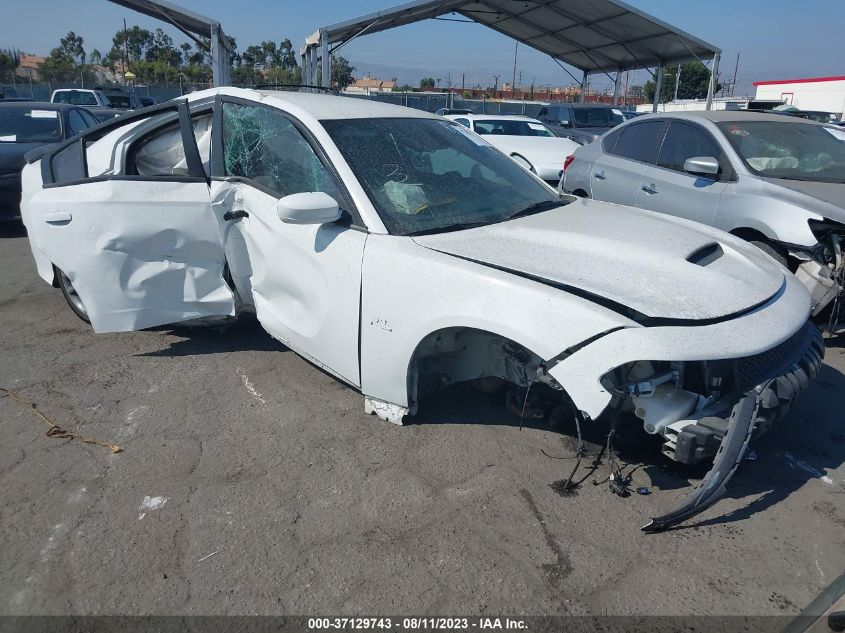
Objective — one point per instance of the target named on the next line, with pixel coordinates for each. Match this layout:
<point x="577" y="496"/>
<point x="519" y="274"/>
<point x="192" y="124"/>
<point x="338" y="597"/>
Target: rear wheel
<point x="71" y="296"/>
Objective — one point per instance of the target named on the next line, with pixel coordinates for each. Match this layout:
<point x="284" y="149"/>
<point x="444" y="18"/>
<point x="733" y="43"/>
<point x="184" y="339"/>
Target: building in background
<point x="826" y="94"/>
<point x="28" y="66"/>
<point x="368" y="85"/>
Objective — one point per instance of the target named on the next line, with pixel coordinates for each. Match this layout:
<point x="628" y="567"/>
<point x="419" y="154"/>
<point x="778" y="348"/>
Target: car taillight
<point x="567" y="162"/>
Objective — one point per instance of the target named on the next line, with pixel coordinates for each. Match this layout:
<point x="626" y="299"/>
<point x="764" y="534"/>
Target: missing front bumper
<point x="757" y="411"/>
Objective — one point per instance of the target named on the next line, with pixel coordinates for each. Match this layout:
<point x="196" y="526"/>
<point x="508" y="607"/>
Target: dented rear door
<point x="141" y="248"/>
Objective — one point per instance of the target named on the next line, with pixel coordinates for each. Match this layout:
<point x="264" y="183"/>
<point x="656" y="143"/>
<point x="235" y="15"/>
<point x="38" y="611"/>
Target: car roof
<point x="319" y="105"/>
<point x="582" y="105"/>
<point x="718" y="116"/>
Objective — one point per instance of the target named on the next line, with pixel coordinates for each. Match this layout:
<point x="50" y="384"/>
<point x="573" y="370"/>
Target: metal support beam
<point x="582" y="98"/>
<point x="312" y="66"/>
<point x="325" y="60"/>
<point x="658" y="84"/>
<point x="221" y="54"/>
<point x="617" y="84"/>
<point x="711" y="89"/>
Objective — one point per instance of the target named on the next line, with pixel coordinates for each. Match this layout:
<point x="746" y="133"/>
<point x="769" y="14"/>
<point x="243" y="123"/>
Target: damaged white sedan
<point x="402" y="254"/>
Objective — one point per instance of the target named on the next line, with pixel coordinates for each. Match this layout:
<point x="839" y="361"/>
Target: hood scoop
<point x="706" y="255"/>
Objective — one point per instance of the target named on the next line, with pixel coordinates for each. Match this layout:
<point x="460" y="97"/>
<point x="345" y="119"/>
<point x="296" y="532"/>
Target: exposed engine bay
<point x="703" y="410"/>
<point x="822" y="270"/>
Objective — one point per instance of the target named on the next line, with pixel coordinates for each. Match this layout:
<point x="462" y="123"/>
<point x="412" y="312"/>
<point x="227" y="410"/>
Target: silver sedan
<point x="776" y="181"/>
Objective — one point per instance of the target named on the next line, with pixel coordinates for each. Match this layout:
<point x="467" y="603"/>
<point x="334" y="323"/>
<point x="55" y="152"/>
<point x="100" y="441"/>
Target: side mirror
<point x="313" y="207"/>
<point x="702" y="166"/>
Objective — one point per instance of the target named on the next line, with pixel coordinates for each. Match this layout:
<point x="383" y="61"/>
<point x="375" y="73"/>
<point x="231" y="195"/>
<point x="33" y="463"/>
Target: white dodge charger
<point x="402" y="253"/>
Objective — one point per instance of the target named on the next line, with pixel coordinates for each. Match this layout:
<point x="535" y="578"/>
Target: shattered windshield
<point x="29" y="125"/>
<point x="597" y="117"/>
<point x="427" y="175"/>
<point x="789" y="150"/>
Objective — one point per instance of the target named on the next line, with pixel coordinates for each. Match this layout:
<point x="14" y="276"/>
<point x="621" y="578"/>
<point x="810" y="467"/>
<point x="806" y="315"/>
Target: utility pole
<point x="125" y="51"/>
<point x="736" y="68"/>
<point x="495" y="85"/>
<point x="677" y="82"/>
<point x="513" y="81"/>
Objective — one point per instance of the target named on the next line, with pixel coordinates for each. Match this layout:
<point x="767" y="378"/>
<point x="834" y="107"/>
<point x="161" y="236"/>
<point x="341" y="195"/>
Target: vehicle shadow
<point x="12" y="229"/>
<point x="245" y="334"/>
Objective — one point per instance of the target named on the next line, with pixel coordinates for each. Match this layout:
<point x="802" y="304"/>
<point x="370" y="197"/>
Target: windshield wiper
<point x="538" y="207"/>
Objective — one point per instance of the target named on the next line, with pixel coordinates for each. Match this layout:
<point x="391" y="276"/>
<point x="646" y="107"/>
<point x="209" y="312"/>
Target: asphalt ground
<point x="251" y="482"/>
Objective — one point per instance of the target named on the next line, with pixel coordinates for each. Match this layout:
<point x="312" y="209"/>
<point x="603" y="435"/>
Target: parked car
<point x="102" y="104"/>
<point x="401" y="253"/>
<point x="448" y="111"/>
<point x="23" y="127"/>
<point x="776" y="181"/>
<point x="530" y="143"/>
<point x="581" y="122"/>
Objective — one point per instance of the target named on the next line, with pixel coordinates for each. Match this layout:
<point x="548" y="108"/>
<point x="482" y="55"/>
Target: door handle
<point x="650" y="188"/>
<point x="234" y="215"/>
<point x="58" y="217"/>
<point x="599" y="174"/>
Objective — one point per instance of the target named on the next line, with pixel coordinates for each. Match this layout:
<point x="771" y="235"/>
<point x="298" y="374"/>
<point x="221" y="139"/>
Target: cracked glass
<point x="264" y="146"/>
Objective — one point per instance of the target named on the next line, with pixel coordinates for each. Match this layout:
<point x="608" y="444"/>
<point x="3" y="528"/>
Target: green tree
<point x="694" y="82"/>
<point x="72" y="47"/>
<point x="427" y="83"/>
<point x="57" y="66"/>
<point x="9" y="61"/>
<point x="342" y="72"/>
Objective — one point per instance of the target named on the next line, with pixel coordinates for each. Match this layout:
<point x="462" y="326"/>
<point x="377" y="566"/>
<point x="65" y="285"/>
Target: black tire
<point x="771" y="250"/>
<point x="70" y="295"/>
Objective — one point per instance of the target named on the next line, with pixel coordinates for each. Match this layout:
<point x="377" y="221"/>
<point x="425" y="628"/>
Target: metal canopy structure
<point x="594" y="36"/>
<point x="193" y="25"/>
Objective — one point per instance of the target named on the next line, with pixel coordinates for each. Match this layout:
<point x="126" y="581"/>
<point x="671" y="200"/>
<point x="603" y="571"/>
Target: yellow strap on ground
<point x="55" y="429"/>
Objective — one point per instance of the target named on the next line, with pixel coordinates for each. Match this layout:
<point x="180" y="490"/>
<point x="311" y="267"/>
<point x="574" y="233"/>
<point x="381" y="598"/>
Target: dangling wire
<point x="527" y="391"/>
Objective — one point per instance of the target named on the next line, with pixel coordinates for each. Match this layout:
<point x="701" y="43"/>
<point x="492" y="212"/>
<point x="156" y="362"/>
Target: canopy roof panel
<point x="592" y="35"/>
<point x="179" y="17"/>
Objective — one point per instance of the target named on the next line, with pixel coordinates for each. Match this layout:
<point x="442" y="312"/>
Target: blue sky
<point x="777" y="39"/>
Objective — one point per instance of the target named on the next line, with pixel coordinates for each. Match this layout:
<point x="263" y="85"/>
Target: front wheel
<point x="71" y="296"/>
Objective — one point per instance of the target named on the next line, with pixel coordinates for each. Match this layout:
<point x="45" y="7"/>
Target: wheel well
<point x="459" y="354"/>
<point x="750" y="235"/>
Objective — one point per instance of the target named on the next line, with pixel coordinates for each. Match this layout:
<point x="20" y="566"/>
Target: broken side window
<point x="263" y="145"/>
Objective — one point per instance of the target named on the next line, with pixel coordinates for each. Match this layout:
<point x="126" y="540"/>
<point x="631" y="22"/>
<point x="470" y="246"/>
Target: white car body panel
<point x="640" y="268"/>
<point x="746" y="335"/>
<point x="139" y="256"/>
<point x="545" y="154"/>
<point x="438" y="291"/>
<point x="303" y="280"/>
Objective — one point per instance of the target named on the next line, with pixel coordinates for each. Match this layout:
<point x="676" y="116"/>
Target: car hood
<point x="12" y="155"/>
<point x="830" y="193"/>
<point x="661" y="267"/>
<point x="537" y="149"/>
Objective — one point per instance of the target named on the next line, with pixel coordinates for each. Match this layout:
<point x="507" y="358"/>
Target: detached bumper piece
<point x="757" y="410"/>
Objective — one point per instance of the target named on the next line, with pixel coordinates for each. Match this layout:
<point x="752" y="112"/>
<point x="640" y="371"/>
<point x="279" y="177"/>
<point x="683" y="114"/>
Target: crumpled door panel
<point x="139" y="253"/>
